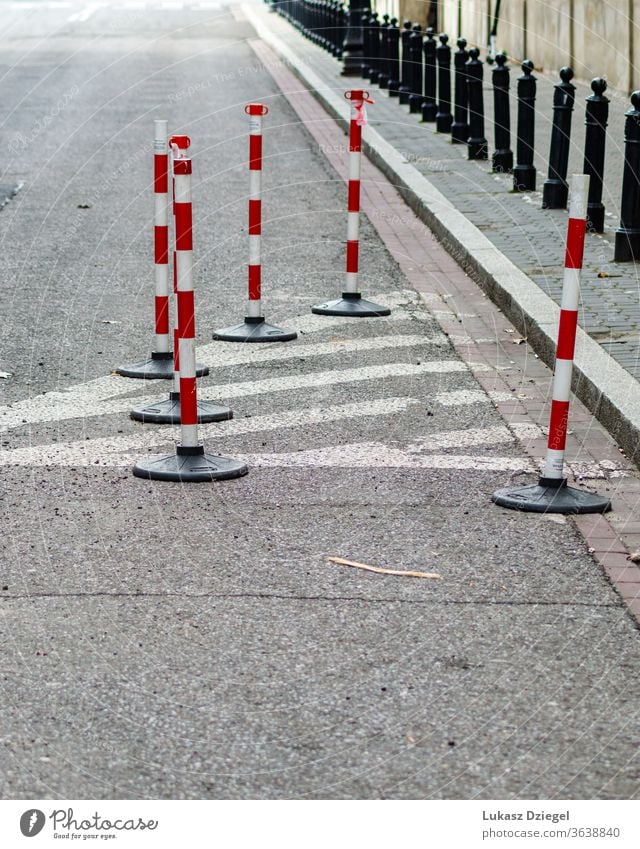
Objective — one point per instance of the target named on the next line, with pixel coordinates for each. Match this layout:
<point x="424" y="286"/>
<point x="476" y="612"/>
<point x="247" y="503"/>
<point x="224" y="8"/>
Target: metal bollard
<point x="524" y="173"/>
<point x="502" y="158"/>
<point x="366" y="40"/>
<point x="394" y="58"/>
<point x="352" y="46"/>
<point x="460" y="126"/>
<point x="405" y="65"/>
<point x="374" y="48"/>
<point x="415" y="58"/>
<point x="429" y="108"/>
<point x="383" y="72"/>
<point x="597" y="114"/>
<point x="555" y="191"/>
<point x="476" y="143"/>
<point x="444" y="118"/>
<point x="627" y="243"/>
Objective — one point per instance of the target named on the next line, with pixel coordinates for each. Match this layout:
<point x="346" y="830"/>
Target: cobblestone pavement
<point x="529" y="236"/>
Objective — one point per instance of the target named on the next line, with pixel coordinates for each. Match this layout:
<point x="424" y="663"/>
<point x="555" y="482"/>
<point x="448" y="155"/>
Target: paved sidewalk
<point x="531" y="238"/>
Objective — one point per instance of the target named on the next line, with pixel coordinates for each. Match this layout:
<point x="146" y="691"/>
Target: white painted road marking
<point x="104" y="451"/>
<point x="83" y="400"/>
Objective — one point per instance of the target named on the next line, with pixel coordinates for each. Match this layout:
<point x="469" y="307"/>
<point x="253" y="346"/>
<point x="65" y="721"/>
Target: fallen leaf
<point x="342" y="562"/>
<point x="84" y="206"/>
<point x="5" y="375"/>
<point x="108" y="321"/>
<point x="634" y="557"/>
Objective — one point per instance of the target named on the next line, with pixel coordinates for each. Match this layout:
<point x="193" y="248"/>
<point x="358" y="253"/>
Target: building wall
<point x="595" y="37"/>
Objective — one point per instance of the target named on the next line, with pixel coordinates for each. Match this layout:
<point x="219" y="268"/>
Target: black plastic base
<point x="189" y="465"/>
<point x="524" y="178"/>
<point x="157" y="367"/>
<point x="168" y="411"/>
<point x="477" y="149"/>
<point x="502" y="162"/>
<point x="254" y="330"/>
<point x="351" y="304"/>
<point x="540" y="498"/>
<point x="555" y="194"/>
<point x="627" y="245"/>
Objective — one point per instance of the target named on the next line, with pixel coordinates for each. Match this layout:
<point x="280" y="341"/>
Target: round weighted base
<point x="352" y="304"/>
<point x="502" y="161"/>
<point x="541" y="498"/>
<point x="168" y="411"/>
<point x="444" y="120"/>
<point x="189" y="465"/>
<point x="157" y="367"/>
<point x="254" y="330"/>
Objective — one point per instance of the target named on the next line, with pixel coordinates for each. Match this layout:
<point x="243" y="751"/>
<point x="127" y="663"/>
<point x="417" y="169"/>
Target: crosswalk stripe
<point x="83" y="399"/>
<point x="108" y="450"/>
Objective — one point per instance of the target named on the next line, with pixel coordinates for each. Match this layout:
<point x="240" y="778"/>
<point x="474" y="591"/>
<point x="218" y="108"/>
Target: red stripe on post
<point x="255" y="217"/>
<point x="162" y="314"/>
<point x="160" y="173"/>
<point x="186" y="313"/>
<point x="558" y="425"/>
<point x="355" y="137"/>
<point x="254" y="282"/>
<point x="352" y="257"/>
<point x="575" y="242"/>
<point x="353" y="203"/>
<point x="161" y="240"/>
<point x="184" y="236"/>
<point x="176" y="348"/>
<point x="567" y="334"/>
<point x="255" y="153"/>
<point x="188" y="401"/>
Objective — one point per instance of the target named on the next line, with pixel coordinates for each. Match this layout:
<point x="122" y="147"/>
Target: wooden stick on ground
<point x="341" y="561"/>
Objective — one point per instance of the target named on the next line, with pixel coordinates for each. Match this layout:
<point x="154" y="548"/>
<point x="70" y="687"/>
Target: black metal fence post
<point x="627" y="243"/>
<point x="383" y="71"/>
<point x="555" y="191"/>
<point x="524" y="173"/>
<point x="352" y="47"/>
<point x="374" y="47"/>
<point x="405" y="65"/>
<point x="460" y="126"/>
<point x="476" y="143"/>
<point x="394" y="58"/>
<point x="415" y="60"/>
<point x="502" y="158"/>
<point x="596" y="117"/>
<point x="429" y="108"/>
<point x="444" y="118"/>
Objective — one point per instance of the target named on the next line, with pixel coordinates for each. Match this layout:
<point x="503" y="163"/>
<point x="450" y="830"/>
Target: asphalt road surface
<point x="173" y="641"/>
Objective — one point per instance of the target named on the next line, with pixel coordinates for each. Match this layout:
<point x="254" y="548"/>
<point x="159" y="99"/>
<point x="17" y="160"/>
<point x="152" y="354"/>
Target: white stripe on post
<point x="561" y="392"/>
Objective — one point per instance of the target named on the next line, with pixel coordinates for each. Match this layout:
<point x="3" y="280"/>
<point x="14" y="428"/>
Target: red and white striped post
<point x="352" y="303"/>
<point x="190" y="462"/>
<point x="160" y="365"/>
<point x="168" y="411"/>
<point x="254" y="328"/>
<point x="551" y="494"/>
